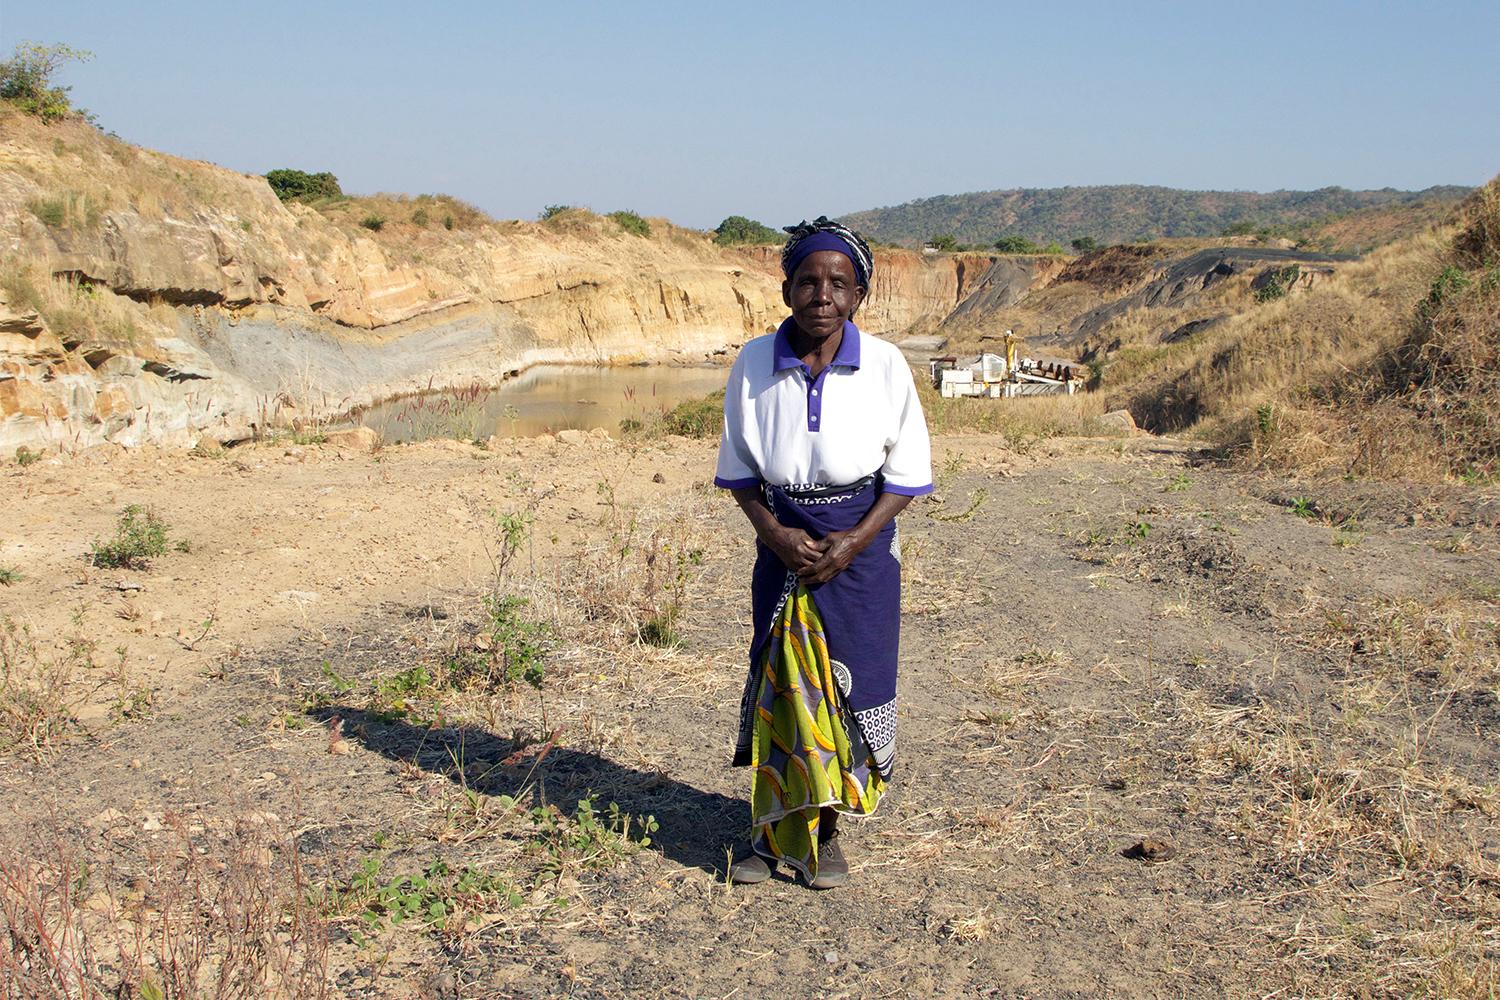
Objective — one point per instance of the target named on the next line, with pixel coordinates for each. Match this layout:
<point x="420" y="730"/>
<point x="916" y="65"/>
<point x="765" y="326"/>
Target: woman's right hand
<point x="796" y="549"/>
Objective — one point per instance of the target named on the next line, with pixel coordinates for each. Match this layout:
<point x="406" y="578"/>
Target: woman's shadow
<point x="695" y="827"/>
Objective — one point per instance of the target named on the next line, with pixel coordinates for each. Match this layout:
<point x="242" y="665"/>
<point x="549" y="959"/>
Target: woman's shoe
<point x="833" y="867"/>
<point x="749" y="870"/>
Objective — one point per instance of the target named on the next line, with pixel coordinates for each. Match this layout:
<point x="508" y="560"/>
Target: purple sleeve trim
<point x="739" y="484"/>
<point x="907" y="491"/>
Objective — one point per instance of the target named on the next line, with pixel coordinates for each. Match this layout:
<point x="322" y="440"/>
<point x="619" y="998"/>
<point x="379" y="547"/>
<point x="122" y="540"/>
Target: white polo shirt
<point x="858" y="417"/>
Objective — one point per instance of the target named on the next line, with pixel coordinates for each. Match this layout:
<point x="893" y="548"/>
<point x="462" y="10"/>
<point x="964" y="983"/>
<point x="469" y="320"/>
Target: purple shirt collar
<point x="847" y="354"/>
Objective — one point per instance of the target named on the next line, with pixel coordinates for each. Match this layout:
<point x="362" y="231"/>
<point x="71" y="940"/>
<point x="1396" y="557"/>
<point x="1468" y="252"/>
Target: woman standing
<point x="824" y="444"/>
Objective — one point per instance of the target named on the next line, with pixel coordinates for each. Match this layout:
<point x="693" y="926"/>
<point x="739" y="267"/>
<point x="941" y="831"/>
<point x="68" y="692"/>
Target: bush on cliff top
<point x="738" y="229"/>
<point x="26" y="79"/>
<point x="631" y="222"/>
<point x="298" y="185"/>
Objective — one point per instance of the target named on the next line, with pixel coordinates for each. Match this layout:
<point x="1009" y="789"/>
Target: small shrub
<point x="140" y="536"/>
<point x="1276" y="283"/>
<point x="26" y="79"/>
<point x="700" y="418"/>
<point x="509" y="649"/>
<point x="419" y="217"/>
<point x="553" y="211"/>
<point x="53" y="212"/>
<point x="660" y="630"/>
<point x="448" y="222"/>
<point x="25" y="456"/>
<point x="1085" y="244"/>
<point x="9" y="576"/>
<point x="1019" y="244"/>
<point x="631" y="223"/>
<point x="737" y="229"/>
<point x="945" y="242"/>
<point x="374" y="223"/>
<point x="298" y="185"/>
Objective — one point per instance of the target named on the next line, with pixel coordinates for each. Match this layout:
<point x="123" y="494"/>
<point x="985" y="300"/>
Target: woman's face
<point x="822" y="293"/>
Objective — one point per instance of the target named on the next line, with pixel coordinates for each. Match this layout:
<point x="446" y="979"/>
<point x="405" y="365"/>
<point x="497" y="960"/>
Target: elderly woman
<point x="824" y="444"/>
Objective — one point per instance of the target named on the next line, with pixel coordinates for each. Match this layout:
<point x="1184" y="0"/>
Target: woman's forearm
<point x="757" y="513"/>
<point x="881" y="512"/>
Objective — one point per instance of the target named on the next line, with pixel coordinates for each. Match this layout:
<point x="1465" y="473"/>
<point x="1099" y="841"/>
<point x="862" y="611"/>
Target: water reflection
<point x="546" y="398"/>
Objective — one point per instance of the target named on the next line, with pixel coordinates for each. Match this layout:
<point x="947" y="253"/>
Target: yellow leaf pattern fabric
<point x="804" y="759"/>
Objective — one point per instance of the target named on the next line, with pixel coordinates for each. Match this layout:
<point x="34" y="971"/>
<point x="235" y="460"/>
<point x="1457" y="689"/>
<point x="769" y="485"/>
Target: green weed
<point x="509" y="648"/>
<point x="1179" y="484"/>
<point x="25" y="456"/>
<point x="140" y="536"/>
<point x="590" y="839"/>
<point x="439" y="898"/>
<point x="9" y="576"/>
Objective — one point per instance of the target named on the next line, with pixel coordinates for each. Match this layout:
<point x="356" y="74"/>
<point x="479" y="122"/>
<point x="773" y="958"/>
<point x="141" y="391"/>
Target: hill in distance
<point x="1123" y="213"/>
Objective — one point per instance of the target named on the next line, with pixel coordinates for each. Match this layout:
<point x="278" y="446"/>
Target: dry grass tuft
<point x="222" y="916"/>
<point x="1021" y="422"/>
<point x="37" y="696"/>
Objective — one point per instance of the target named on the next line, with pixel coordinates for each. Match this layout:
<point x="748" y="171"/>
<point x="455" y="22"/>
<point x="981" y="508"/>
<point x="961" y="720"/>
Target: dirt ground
<point x="1167" y="730"/>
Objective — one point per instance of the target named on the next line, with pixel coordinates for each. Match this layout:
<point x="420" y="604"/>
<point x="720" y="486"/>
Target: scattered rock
<point x="108" y="818"/>
<point x="354" y="439"/>
<point x="658" y="478"/>
<point x="572" y="436"/>
<point x="225" y="436"/>
<point x="1118" y="422"/>
<point x="599" y="434"/>
<point x="1153" y="851"/>
<point x="300" y="596"/>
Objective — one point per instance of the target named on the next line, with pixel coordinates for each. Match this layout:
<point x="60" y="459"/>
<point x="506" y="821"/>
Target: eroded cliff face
<point x="148" y="298"/>
<point x="915" y="293"/>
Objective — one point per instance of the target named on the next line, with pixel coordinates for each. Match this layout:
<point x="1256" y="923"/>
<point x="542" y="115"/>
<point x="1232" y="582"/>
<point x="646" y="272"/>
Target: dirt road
<point x="1288" y="692"/>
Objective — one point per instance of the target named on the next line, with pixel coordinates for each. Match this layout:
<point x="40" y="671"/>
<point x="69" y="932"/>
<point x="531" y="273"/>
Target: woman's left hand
<point x="839" y="550"/>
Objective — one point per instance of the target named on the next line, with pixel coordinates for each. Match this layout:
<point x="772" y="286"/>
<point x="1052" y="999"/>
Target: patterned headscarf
<point x="821" y="234"/>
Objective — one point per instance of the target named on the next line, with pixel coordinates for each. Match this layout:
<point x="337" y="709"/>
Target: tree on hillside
<point x="1016" y="244"/>
<point x="739" y="229"/>
<point x="298" y="185"/>
<point x="1085" y="244"/>
<point x="26" y="79"/>
<point x="946" y="242"/>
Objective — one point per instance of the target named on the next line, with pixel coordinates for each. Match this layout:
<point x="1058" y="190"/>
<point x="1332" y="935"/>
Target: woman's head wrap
<point x="810" y="237"/>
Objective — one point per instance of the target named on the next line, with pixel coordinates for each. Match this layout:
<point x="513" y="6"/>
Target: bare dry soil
<point x="1167" y="730"/>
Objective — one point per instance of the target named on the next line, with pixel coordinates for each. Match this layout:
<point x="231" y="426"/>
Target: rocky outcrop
<point x="1179" y="281"/>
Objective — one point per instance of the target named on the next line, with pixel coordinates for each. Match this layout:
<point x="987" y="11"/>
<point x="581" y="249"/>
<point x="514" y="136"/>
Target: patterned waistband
<point x="820" y="493"/>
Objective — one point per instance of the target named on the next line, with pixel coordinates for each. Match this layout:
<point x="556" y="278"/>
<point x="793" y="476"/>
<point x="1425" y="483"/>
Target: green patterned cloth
<point x="803" y="757"/>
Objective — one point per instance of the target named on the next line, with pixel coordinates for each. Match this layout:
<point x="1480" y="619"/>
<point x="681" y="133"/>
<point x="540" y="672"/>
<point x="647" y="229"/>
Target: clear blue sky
<point x="699" y="110"/>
